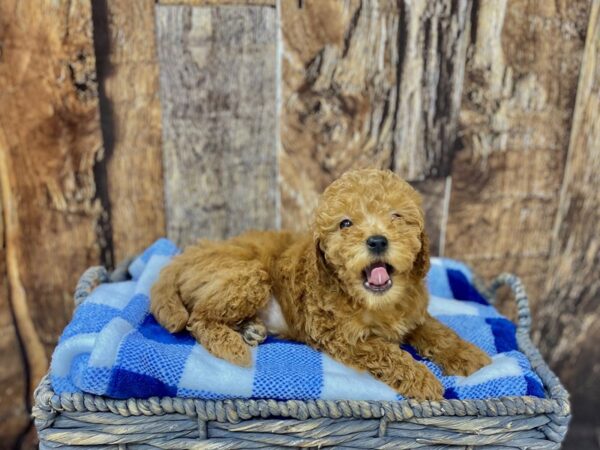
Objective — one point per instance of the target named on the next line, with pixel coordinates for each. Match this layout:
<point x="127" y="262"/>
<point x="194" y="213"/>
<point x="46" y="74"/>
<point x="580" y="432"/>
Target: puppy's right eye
<point x="345" y="223"/>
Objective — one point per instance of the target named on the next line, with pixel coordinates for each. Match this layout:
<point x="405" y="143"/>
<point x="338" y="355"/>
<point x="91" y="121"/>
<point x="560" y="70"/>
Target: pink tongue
<point x="378" y="276"/>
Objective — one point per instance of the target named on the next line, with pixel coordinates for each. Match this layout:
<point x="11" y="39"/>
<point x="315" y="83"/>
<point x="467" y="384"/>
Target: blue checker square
<point x="159" y="360"/>
<point x="161" y="247"/>
<point x="504" y="334"/>
<point x="473" y="329"/>
<point x="125" y="383"/>
<point x="462" y="288"/>
<point x="89" y="318"/>
<point x="286" y="369"/>
<point x="437" y="281"/>
<point x="136" y="310"/>
<point x="94" y="379"/>
<point x="153" y="331"/>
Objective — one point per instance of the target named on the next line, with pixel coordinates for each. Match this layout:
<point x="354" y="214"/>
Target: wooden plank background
<point x="122" y="121"/>
<point x="218" y="105"/>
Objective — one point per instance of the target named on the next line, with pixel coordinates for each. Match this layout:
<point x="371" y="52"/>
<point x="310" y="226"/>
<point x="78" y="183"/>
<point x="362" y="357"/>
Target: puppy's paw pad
<point x="254" y="333"/>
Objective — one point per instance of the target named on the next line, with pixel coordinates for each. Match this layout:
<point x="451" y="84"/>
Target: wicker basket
<point x="88" y="421"/>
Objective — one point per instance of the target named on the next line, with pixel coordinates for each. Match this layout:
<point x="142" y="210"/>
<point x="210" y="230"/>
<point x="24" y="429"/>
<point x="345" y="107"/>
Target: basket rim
<point x="48" y="403"/>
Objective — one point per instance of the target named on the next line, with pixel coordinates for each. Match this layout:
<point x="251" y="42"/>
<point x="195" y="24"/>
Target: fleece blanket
<point x="114" y="347"/>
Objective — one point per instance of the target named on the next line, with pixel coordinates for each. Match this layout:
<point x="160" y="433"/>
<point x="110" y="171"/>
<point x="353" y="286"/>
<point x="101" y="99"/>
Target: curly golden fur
<point x="353" y="298"/>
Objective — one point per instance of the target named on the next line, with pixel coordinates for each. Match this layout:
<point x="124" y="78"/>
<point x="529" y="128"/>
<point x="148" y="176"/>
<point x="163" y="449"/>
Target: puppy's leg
<point x="222" y="341"/>
<point x="225" y="296"/>
<point x="439" y="343"/>
<point x="167" y="305"/>
<point x="390" y="364"/>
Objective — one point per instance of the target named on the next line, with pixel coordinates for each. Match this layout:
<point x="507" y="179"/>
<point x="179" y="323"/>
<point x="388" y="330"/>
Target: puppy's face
<point x="369" y="227"/>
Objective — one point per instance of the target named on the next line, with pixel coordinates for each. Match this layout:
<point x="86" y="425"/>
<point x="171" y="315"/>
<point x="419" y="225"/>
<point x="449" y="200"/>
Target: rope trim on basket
<point x="556" y="407"/>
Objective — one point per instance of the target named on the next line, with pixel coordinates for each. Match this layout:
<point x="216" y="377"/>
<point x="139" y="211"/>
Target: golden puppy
<point x="352" y="287"/>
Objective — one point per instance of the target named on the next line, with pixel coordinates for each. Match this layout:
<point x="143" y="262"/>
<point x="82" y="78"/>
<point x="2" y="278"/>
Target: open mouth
<point x="377" y="277"/>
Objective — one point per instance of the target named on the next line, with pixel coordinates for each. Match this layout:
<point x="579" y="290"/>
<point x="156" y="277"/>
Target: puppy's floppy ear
<point x="320" y="254"/>
<point x="421" y="264"/>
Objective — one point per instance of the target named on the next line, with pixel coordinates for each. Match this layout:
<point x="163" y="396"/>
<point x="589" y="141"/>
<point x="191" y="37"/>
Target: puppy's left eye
<point x="396" y="215"/>
<point x="345" y="223"/>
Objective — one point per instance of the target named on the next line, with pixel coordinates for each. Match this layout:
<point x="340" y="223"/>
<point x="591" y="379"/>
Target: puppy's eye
<point x="345" y="223"/>
<point x="396" y="216"/>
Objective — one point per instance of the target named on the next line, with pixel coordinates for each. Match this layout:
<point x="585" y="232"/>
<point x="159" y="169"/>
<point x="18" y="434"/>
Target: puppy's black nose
<point x="377" y="244"/>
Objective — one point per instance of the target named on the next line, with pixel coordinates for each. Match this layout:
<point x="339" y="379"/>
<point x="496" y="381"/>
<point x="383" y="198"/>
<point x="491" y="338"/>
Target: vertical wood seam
<point x="21" y="350"/>
<point x="401" y="42"/>
<point x="106" y="118"/>
<point x="278" y="110"/>
<point x="445" y="213"/>
<point x="35" y="355"/>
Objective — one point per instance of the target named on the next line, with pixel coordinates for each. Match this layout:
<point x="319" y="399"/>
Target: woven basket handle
<point x="96" y="275"/>
<point x="91" y="278"/>
<point x="518" y="290"/>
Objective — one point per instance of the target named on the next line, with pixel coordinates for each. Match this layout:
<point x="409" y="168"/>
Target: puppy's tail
<point x="166" y="304"/>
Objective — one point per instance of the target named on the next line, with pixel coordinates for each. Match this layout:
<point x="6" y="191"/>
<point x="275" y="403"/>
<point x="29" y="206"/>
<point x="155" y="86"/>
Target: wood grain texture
<point x="217" y="86"/>
<point x="366" y="84"/>
<point x="520" y="84"/>
<point x="570" y="312"/>
<point x="14" y="399"/>
<point x="435" y="192"/>
<point x="433" y="40"/>
<point x="49" y="142"/>
<point x="130" y="176"/>
<point x="218" y="2"/>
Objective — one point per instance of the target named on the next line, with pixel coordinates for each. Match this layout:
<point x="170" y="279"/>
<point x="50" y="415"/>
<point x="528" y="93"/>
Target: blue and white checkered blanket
<point x="114" y="347"/>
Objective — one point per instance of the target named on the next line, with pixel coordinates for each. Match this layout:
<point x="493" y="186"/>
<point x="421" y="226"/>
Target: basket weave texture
<point x="85" y="421"/>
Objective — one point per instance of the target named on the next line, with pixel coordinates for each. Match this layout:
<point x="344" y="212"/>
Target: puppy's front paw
<point x="232" y="349"/>
<point x="222" y="341"/>
<point x="420" y="384"/>
<point x="254" y="333"/>
<point x="464" y="361"/>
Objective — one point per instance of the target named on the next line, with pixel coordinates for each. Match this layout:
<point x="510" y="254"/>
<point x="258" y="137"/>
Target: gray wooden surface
<point x="217" y="86"/>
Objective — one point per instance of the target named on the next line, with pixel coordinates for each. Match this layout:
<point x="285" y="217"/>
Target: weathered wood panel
<point x="130" y="175"/>
<point x="217" y="2"/>
<point x="49" y="143"/>
<point x="434" y="38"/>
<point x="14" y="415"/>
<point x="570" y="311"/>
<point x="520" y="84"/>
<point x="367" y="83"/>
<point x="217" y="86"/>
<point x="436" y="195"/>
